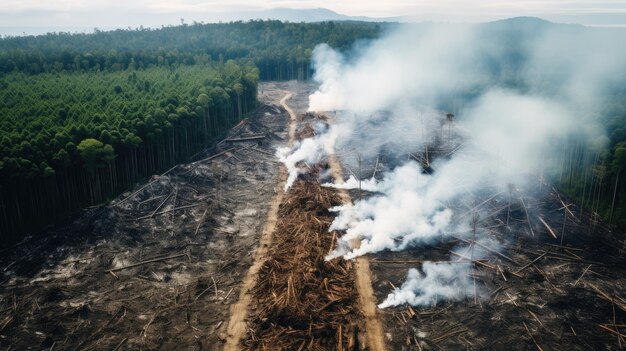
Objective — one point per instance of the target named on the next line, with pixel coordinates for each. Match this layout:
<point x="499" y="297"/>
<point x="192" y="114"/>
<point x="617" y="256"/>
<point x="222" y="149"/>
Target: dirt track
<point x="237" y="325"/>
<point x="363" y="279"/>
<point x="257" y="301"/>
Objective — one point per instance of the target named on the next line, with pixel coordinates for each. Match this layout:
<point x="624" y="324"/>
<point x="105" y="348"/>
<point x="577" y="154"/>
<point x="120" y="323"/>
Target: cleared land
<point x="213" y="255"/>
<point x="159" y="267"/>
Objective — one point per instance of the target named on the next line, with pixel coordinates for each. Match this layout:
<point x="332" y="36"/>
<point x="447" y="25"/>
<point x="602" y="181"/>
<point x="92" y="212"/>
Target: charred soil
<point x="556" y="281"/>
<point x="157" y="268"/>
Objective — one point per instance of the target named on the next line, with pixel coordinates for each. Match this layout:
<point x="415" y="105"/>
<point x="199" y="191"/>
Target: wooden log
<point x="227" y="295"/>
<point x="201" y="221"/>
<point x="531" y="263"/>
<point x="606" y="297"/>
<point x="135" y="193"/>
<point x="263" y="151"/>
<point x="581" y="276"/>
<point x="532" y="337"/>
<point x="214" y="156"/>
<point x="249" y="138"/>
<point x="161" y="204"/>
<point x="171" y="209"/>
<point x="120" y="344"/>
<point x="612" y="331"/>
<point x="548" y="227"/>
<point x="474" y="261"/>
<point x="488" y="249"/>
<point x="146" y="262"/>
<point x="530" y="225"/>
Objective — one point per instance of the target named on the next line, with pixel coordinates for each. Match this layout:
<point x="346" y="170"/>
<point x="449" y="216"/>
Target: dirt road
<point x="239" y="310"/>
<point x="369" y="331"/>
<point x="363" y="279"/>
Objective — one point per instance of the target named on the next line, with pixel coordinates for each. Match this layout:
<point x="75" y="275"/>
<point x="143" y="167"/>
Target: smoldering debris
<point x="441" y="281"/>
<point x="498" y="140"/>
<point x="532" y="290"/>
<point x="387" y="105"/>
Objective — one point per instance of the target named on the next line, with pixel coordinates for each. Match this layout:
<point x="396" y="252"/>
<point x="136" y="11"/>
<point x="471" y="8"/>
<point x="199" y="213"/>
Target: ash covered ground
<point x="552" y="277"/>
<point x="158" y="267"/>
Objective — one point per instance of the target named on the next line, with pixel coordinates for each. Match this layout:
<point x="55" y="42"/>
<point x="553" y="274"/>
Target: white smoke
<point x="443" y="281"/>
<point x="404" y="65"/>
<point x="354" y="183"/>
<point x="387" y="98"/>
<point x="310" y="150"/>
<point x="408" y="210"/>
<point x="411" y="207"/>
<point x="330" y="77"/>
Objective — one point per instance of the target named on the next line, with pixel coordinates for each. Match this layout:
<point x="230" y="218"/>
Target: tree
<point x="238" y="89"/>
<point x="95" y="155"/>
<point x="203" y="100"/>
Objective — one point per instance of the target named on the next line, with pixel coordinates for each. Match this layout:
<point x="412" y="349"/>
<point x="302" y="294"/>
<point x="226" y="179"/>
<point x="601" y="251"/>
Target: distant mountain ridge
<point x="299" y="15"/>
<point x="305" y="15"/>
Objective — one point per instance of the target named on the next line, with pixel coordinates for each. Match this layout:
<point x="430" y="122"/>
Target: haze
<point x="35" y="17"/>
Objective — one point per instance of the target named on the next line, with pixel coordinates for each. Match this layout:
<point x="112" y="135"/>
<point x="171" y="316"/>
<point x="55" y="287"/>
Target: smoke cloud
<point x="440" y="281"/>
<point x="310" y="150"/>
<point x="518" y="91"/>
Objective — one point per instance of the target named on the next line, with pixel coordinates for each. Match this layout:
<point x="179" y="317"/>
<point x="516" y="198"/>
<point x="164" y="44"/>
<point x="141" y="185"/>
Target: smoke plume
<point x="440" y="281"/>
<point x="517" y="92"/>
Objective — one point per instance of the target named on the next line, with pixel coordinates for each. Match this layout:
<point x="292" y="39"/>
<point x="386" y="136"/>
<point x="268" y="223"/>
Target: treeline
<point x="281" y="50"/>
<point x="596" y="178"/>
<point x="69" y="140"/>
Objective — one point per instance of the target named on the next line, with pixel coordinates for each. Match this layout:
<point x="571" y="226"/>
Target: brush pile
<point x="304" y="302"/>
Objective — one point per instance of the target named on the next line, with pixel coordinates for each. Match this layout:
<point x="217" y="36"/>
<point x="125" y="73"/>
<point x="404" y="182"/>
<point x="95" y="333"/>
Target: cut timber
<point x="238" y="312"/>
<point x="166" y="211"/>
<point x="363" y="279"/>
<point x="246" y="138"/>
<point x="547" y="227"/>
<point x="213" y="156"/>
<point x="146" y="262"/>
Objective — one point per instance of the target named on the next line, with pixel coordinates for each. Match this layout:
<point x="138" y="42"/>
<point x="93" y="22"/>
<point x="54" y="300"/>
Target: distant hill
<point x="44" y="22"/>
<point x="281" y="14"/>
<point x="306" y="15"/>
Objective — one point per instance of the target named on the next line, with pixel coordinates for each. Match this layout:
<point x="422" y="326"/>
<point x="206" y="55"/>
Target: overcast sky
<point x="122" y="13"/>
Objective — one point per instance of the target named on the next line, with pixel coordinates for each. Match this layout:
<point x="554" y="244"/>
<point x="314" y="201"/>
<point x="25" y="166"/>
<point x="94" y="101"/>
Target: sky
<point x="28" y="15"/>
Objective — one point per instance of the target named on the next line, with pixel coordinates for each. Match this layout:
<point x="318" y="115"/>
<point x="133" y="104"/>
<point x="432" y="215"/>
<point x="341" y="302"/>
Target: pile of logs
<point x="304" y="301"/>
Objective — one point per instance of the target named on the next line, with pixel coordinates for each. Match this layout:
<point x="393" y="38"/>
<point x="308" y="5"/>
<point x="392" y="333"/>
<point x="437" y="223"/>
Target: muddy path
<point x="157" y="268"/>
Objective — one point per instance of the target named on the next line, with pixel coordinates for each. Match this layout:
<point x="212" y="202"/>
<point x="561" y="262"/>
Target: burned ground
<point x="556" y="281"/>
<point x="161" y="266"/>
<point x="156" y="268"/>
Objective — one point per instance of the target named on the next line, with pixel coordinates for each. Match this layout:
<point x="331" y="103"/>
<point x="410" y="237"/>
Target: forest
<point x="74" y="139"/>
<point x="281" y="50"/>
<point x="83" y="117"/>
